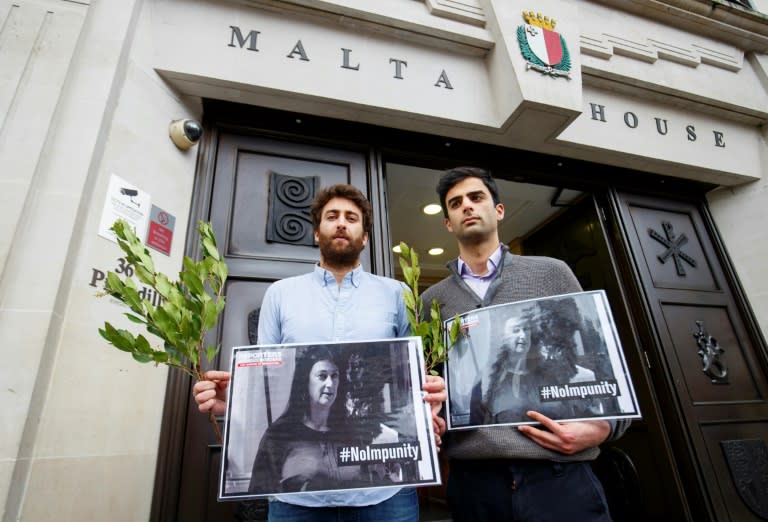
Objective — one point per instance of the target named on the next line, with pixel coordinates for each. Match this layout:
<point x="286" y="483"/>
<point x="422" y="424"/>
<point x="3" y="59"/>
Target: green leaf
<point x="192" y="281"/>
<point x="403" y="265"/>
<point x="210" y="352"/>
<point x="410" y="300"/>
<point x="210" y="248"/>
<point x="178" y="298"/>
<point x="422" y="330"/>
<point x="114" y="286"/>
<point x="221" y="271"/>
<point x="201" y="268"/>
<point x="428" y="326"/>
<point x="145" y="275"/>
<point x="164" y="286"/>
<point x="190" y="325"/>
<point x="408" y="273"/>
<point x="121" y="229"/>
<point x="165" y="324"/>
<point x="146" y="260"/>
<point x="142" y="357"/>
<point x="121" y="339"/>
<point x="434" y="313"/>
<point x="104" y="334"/>
<point x="159" y="357"/>
<point x="172" y="351"/>
<point x="135" y="318"/>
<point x="131" y="297"/>
<point x="455" y="330"/>
<point x="209" y="314"/>
<point x="188" y="308"/>
<point x="142" y="345"/>
<point x="411" y="318"/>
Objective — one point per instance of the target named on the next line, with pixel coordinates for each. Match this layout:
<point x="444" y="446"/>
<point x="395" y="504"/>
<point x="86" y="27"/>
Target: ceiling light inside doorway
<point x="435" y="251"/>
<point x="431" y="209"/>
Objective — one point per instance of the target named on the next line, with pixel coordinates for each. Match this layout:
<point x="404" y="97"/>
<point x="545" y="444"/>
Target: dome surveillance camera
<point x="185" y="133"/>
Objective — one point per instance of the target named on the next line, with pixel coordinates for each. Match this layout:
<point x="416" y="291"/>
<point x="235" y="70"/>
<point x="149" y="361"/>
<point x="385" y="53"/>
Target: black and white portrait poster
<point x="327" y="417"/>
<point x="557" y="355"/>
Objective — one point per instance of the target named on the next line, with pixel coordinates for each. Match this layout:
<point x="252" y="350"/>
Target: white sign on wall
<point x="127" y="202"/>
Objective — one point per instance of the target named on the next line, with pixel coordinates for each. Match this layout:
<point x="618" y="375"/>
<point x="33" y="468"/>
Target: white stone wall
<point x="760" y="5"/>
<point x="37" y="42"/>
<point x="740" y="214"/>
<point x="81" y="423"/>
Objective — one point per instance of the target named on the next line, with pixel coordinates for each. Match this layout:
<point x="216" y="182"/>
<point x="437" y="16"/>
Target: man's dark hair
<point x="453" y="176"/>
<point x="345" y="191"/>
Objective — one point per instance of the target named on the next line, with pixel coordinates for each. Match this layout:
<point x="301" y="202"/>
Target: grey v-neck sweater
<point x="517" y="278"/>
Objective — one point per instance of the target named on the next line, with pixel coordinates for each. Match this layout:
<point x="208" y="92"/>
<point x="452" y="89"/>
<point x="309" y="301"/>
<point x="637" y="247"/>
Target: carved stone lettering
<point x="632" y="120"/>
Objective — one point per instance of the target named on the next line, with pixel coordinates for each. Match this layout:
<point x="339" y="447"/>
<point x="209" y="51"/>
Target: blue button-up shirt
<point x="314" y="308"/>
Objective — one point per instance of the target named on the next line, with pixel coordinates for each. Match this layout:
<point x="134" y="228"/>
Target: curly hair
<point x="345" y="191"/>
<point x="505" y="357"/>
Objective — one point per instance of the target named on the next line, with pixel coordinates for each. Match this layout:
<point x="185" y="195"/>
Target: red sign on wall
<point x="160" y="233"/>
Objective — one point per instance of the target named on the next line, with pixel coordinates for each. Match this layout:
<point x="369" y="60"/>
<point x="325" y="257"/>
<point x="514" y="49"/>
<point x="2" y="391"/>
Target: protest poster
<point x="327" y="417"/>
<point x="557" y="355"/>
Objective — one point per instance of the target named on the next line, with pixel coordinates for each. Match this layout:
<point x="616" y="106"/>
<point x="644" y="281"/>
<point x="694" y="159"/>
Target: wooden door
<point x="259" y="190"/>
<point x="707" y="362"/>
<point x="637" y="471"/>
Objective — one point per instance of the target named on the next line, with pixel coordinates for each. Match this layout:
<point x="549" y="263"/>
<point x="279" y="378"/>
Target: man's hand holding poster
<point x="557" y="355"/>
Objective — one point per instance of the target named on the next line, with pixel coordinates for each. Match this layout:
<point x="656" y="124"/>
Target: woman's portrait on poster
<point x="329" y="407"/>
<point x="539" y="348"/>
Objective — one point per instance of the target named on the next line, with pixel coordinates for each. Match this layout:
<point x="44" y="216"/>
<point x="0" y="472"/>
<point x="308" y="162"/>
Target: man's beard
<point x="340" y="256"/>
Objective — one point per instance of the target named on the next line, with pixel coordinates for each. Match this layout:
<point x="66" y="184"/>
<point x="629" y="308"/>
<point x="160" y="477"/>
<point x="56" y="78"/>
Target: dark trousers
<point x="525" y="490"/>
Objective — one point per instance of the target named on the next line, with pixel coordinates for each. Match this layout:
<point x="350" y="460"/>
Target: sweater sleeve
<point x="618" y="427"/>
<point x="563" y="273"/>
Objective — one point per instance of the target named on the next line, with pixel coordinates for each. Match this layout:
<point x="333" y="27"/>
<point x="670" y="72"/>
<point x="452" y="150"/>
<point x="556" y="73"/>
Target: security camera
<point x="130" y="193"/>
<point x="185" y="133"/>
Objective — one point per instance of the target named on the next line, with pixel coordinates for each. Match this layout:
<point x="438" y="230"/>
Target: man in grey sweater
<point x="501" y="473"/>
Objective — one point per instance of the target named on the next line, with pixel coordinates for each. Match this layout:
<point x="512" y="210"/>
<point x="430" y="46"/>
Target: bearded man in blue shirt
<point x="338" y="301"/>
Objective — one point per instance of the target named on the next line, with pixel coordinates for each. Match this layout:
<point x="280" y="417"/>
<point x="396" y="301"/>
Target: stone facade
<point x="87" y="90"/>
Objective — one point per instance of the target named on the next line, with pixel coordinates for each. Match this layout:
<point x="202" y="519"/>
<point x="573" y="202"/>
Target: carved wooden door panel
<point x="637" y="471"/>
<point x="259" y="191"/>
<point x="708" y="367"/>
